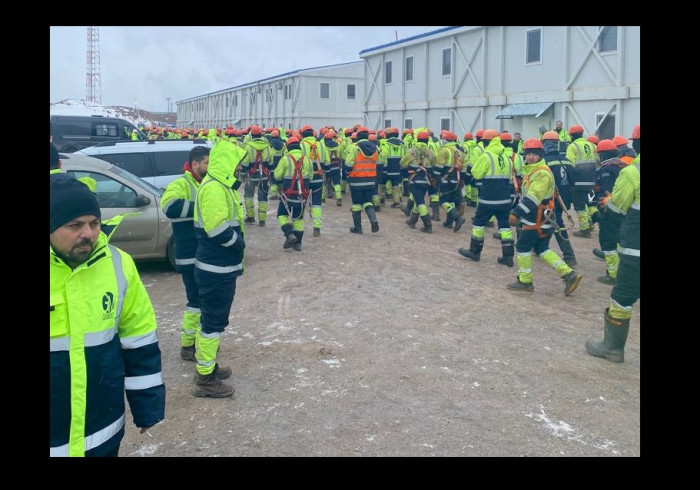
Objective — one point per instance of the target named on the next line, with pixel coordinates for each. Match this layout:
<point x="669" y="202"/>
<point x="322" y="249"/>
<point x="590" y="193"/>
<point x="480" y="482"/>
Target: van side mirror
<point x="142" y="201"/>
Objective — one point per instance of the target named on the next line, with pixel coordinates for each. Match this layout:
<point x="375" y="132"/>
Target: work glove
<point x="512" y="220"/>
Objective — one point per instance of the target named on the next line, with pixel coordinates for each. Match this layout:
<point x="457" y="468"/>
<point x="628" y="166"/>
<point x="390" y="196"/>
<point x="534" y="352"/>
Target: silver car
<point x="147" y="235"/>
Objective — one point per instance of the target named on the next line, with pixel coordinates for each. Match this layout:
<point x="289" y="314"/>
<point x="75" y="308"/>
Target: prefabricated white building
<point x="514" y="78"/>
<point x="317" y="96"/>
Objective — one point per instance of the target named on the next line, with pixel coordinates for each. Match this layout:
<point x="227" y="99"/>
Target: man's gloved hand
<point x="513" y="220"/>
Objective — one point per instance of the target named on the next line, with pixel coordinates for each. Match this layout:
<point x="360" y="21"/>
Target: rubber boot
<point x="508" y="251"/>
<point x="299" y="235"/>
<point x="436" y="211"/>
<point x="372" y="215"/>
<point x="411" y="222"/>
<point x="449" y="219"/>
<point x="567" y="250"/>
<point x="427" y="225"/>
<point x="357" y="221"/>
<point x="459" y="220"/>
<point x="474" y="250"/>
<point x="612" y="346"/>
<point x="290" y="238"/>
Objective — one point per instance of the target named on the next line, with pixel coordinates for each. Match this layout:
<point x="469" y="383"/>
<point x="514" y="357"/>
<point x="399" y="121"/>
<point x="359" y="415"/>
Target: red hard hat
<point x="480" y="133"/>
<point x="593" y="139"/>
<point x="619" y="140"/>
<point x="550" y="135"/>
<point x="423" y="135"/>
<point x="576" y="129"/>
<point x="256" y="130"/>
<point x="449" y="136"/>
<point x="635" y="133"/>
<point x="505" y="136"/>
<point x="468" y="136"/>
<point x="489" y="134"/>
<point x="606" y="145"/>
<point x="533" y="143"/>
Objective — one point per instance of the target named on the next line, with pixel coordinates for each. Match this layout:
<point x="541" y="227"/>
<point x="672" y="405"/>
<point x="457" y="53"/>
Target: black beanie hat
<point x="53" y="156"/>
<point x="69" y="199"/>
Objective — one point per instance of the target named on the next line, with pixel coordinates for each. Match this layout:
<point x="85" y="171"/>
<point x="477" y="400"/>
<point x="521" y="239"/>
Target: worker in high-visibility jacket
<point x="625" y="200"/>
<point x="582" y="154"/>
<point x="450" y="161"/>
<point x="535" y="213"/>
<point x="361" y="169"/>
<point x="493" y="172"/>
<point x="256" y="166"/>
<point x="178" y="205"/>
<point x="277" y="149"/>
<point x="103" y="341"/>
<point x="419" y="161"/>
<point x="219" y="227"/>
<point x="333" y="166"/>
<point x="395" y="150"/>
<point x="294" y="173"/>
<point x="316" y="152"/>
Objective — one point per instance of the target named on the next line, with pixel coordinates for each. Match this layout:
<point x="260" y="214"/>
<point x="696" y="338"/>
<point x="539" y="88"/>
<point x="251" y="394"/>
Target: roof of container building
<point x="267" y="79"/>
<point x="408" y="39"/>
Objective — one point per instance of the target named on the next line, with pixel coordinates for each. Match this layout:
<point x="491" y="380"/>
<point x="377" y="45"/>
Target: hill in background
<point x="138" y="117"/>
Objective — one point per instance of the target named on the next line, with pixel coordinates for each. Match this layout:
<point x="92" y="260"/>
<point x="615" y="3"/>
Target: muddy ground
<point x="393" y="344"/>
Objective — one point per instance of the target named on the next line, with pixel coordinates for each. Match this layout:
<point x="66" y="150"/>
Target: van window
<point x="136" y="163"/>
<point x="170" y="162"/>
<point x="73" y="128"/>
<point x="106" y="130"/>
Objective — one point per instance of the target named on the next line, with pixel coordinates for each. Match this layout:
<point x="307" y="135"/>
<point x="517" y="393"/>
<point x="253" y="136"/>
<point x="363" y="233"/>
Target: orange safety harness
<point x="259" y="166"/>
<point x="296" y="187"/>
<point x="545" y="211"/>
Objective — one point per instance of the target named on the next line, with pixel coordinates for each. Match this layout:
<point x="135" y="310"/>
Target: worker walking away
<point x="582" y="154"/>
<point x="395" y="152"/>
<point x="332" y="168"/>
<point x="419" y="162"/>
<point x="277" y="149"/>
<point x="294" y="173"/>
<point x="315" y="152"/>
<point x="536" y="214"/>
<point x="361" y="169"/>
<point x="257" y="174"/>
<point x="450" y="160"/>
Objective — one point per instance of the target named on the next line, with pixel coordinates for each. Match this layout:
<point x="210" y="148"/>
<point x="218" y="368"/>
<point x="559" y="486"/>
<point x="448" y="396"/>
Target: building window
<point x="351" y="91"/>
<point x="409" y="68"/>
<point x="606" y="126"/>
<point x="444" y="123"/>
<point x="408" y="123"/>
<point x="252" y="98"/>
<point x="325" y="90"/>
<point x="387" y="123"/>
<point x="447" y="61"/>
<point x="235" y="100"/>
<point x="533" y="46"/>
<point x="227" y="101"/>
<point x="387" y="72"/>
<point x="607" y="40"/>
<point x="287" y="91"/>
<point x="268" y="94"/>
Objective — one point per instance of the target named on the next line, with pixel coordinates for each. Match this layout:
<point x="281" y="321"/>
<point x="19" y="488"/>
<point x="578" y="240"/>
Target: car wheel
<point x="70" y="149"/>
<point x="171" y="253"/>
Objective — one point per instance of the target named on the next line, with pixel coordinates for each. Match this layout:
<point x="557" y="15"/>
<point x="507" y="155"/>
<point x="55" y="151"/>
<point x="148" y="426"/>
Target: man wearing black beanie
<point x="103" y="340"/>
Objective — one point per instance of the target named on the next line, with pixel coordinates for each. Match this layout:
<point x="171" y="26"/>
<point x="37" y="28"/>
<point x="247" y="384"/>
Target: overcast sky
<point x="146" y="65"/>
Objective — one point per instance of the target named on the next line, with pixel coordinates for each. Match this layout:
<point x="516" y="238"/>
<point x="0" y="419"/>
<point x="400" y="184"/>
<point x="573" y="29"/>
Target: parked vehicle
<point x="72" y="133"/>
<point x="155" y="161"/>
<point x="147" y="235"/>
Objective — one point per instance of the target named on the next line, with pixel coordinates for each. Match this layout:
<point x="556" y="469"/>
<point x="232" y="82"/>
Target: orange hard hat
<point x="256" y="130"/>
<point x="348" y="132"/>
<point x="593" y="139"/>
<point x="361" y="129"/>
<point x="292" y="140"/>
<point x="393" y="130"/>
<point x="479" y="133"/>
<point x="275" y="133"/>
<point x="468" y="136"/>
<point x="423" y="135"/>
<point x="449" y="136"/>
<point x="306" y="128"/>
<point x="372" y="137"/>
<point x="489" y="134"/>
<point x="606" y="145"/>
<point x="505" y="136"/>
<point x="635" y="133"/>
<point x="329" y="135"/>
<point x="550" y="135"/>
<point x="533" y="143"/>
<point x="619" y="140"/>
<point x="576" y="129"/>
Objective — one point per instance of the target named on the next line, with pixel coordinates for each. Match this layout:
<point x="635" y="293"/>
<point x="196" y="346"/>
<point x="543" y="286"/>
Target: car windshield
<point x="137" y="180"/>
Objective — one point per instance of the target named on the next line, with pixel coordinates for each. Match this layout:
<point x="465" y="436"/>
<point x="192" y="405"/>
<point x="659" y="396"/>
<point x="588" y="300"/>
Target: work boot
<point x="607" y="279"/>
<point x="571" y="282"/>
<point x="357" y="221"/>
<point x="377" y="209"/>
<point x="521" y="286"/>
<point x="187" y="353"/>
<point x="250" y="219"/>
<point x="411" y="222"/>
<point x="382" y="201"/>
<point x="222" y="372"/>
<point x="427" y="225"/>
<point x="395" y="205"/>
<point x="436" y="211"/>
<point x="299" y="236"/>
<point x="261" y="223"/>
<point x="317" y="231"/>
<point x="612" y="346"/>
<point x="508" y="251"/>
<point x="497" y="235"/>
<point x="474" y="250"/>
<point x="583" y="233"/>
<point x="211" y="385"/>
<point x="459" y="220"/>
<point x="449" y="219"/>
<point x="372" y="215"/>
<point x="599" y="253"/>
<point x="338" y="202"/>
<point x="290" y="238"/>
<point x="567" y="250"/>
<point x="407" y="210"/>
<point x="471" y="204"/>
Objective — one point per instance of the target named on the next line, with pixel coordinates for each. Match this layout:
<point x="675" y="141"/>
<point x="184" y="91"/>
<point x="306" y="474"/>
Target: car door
<point x="137" y="234"/>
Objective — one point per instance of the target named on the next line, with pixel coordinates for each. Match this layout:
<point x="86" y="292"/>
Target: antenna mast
<point x="92" y="79"/>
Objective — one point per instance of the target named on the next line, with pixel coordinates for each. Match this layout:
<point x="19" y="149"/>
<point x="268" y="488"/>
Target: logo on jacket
<point x="108" y="305"/>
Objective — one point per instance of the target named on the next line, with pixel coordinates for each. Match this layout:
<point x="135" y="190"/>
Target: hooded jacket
<point x="493" y="172"/>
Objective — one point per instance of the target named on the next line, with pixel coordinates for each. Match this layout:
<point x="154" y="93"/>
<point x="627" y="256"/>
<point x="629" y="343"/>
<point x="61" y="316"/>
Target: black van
<point x="72" y="133"/>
